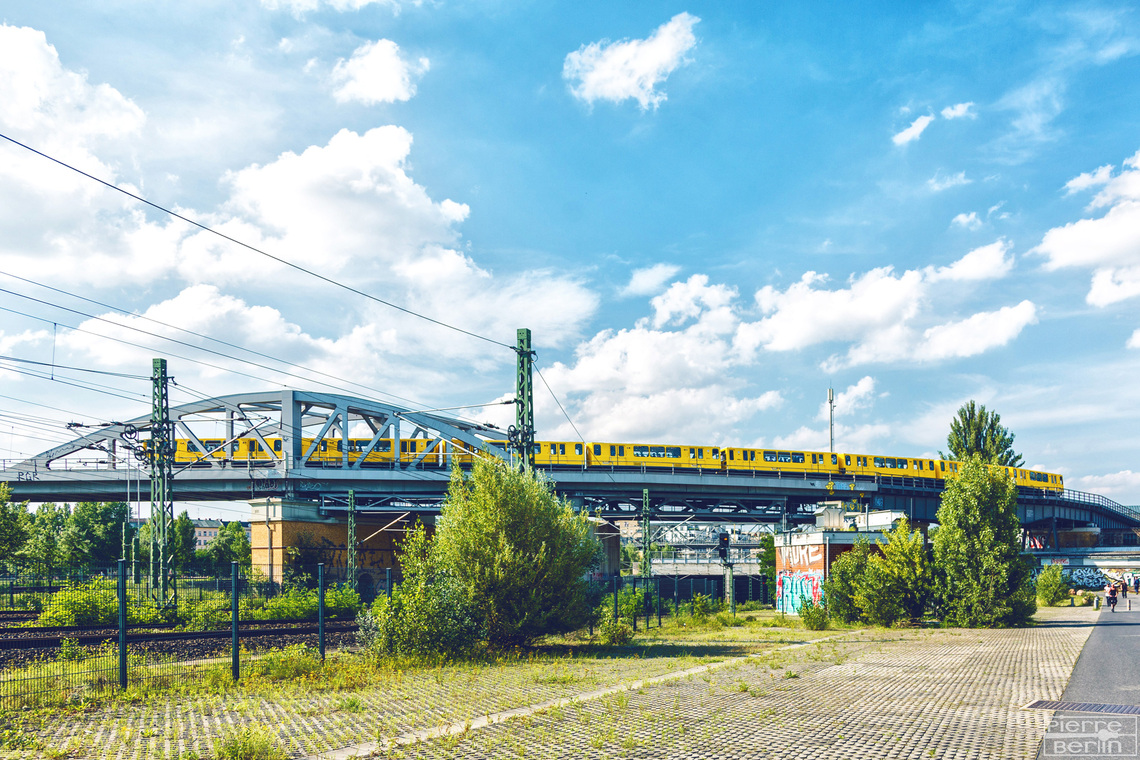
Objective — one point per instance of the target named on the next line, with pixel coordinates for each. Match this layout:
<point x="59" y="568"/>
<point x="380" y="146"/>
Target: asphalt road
<point x="1107" y="672"/>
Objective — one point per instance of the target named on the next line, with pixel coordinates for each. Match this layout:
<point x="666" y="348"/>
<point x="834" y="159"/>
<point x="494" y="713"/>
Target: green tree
<point x="897" y="583"/>
<point x="1051" y="585"/>
<point x="768" y="559"/>
<point x="519" y="552"/>
<point x="15" y="522"/>
<point x="43" y="551"/>
<point x="844" y="581"/>
<point x="975" y="430"/>
<point x="230" y="545"/>
<point x="93" y="537"/>
<point x="981" y="579"/>
<point x="182" y="541"/>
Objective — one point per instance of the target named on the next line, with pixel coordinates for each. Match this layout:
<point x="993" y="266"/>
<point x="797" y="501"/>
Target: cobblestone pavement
<point x="901" y="694"/>
<point x="856" y="694"/>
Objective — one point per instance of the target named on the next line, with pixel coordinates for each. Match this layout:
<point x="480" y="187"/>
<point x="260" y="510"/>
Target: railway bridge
<point x="297" y="495"/>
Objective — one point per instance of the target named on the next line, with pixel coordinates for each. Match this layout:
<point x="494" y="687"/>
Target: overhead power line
<point x="256" y="250"/>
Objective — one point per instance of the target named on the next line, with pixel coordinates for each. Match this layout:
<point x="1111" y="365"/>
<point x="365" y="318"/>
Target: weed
<point x="250" y="742"/>
<point x="350" y="705"/>
<point x="791" y="674"/>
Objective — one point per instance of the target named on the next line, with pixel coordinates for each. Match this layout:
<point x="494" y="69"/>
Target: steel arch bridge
<point x="109" y="464"/>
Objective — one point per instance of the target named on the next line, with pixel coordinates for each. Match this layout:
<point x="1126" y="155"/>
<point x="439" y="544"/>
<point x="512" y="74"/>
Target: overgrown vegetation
<point x="1051" y="585"/>
<point x="814" y="616"/>
<point x="882" y="588"/>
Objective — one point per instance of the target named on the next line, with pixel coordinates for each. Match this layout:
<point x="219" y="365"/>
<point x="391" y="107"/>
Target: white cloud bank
<point x="617" y="71"/>
<point x="377" y="74"/>
<point x="1109" y="245"/>
<point x="649" y="281"/>
<point x="968" y="221"/>
<point x="958" y="111"/>
<point x="1116" y="483"/>
<point x="938" y="182"/>
<point x="301" y="7"/>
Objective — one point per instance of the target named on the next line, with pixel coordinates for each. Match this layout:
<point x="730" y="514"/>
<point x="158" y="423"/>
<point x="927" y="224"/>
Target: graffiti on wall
<point x="801" y="557"/>
<point x="1085" y="577"/>
<point x="793" y="587"/>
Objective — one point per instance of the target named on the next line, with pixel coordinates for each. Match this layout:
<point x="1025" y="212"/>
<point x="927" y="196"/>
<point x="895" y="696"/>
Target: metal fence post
<point x="676" y="599"/>
<point x="235" y="657"/>
<point x="615" y="584"/>
<point x="321" y="610"/>
<point x="635" y="610"/>
<point x="658" y="602"/>
<point x="388" y="580"/>
<point x="122" y="624"/>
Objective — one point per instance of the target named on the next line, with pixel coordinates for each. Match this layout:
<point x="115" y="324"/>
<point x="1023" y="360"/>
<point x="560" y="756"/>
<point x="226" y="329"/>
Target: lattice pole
<point x="646" y="537"/>
<point x="162" y="445"/>
<point x="352" y="540"/>
<point x="524" y="396"/>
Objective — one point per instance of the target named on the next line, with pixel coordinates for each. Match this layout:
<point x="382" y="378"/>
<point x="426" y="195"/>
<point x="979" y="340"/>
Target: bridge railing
<point x="1095" y="499"/>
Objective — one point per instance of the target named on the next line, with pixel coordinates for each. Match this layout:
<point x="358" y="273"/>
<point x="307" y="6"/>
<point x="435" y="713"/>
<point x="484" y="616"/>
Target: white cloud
<point x="1109" y="245"/>
<point x="970" y="221"/>
<point x="1086" y="180"/>
<point x="938" y="182"/>
<point x="847" y="438"/>
<point x="986" y="263"/>
<point x="376" y="74"/>
<point x="978" y="333"/>
<point x="914" y="131"/>
<point x="1134" y="341"/>
<point x="300" y="7"/>
<point x="650" y="280"/>
<point x="692" y="299"/>
<point x="1123" y="483"/>
<point x="958" y="111"/>
<point x="615" y="71"/>
<point x="856" y="397"/>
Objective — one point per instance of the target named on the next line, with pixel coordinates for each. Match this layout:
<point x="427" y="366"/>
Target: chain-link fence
<point x="66" y="634"/>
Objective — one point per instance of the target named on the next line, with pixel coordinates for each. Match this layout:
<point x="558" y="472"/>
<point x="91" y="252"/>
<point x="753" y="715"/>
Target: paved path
<point x="1107" y="672"/>
<point x="914" y="694"/>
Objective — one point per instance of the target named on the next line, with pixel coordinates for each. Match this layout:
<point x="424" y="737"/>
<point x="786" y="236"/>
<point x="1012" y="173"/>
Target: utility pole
<point x="646" y="568"/>
<point x="831" y="419"/>
<point x="352" y="540"/>
<point x="161" y="499"/>
<point x="524" y="400"/>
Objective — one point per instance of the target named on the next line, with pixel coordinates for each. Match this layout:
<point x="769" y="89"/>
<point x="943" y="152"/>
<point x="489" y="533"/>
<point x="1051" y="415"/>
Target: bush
<point x="1051" y="585"/>
<point x="814" y="616"/>
<point x="249" y="743"/>
<point x="615" y="634"/>
<point x="842" y="584"/>
<point x="95" y="602"/>
<point x="518" y="552"/>
<point x="341" y="603"/>
<point x="426" y="614"/>
<point x="702" y="605"/>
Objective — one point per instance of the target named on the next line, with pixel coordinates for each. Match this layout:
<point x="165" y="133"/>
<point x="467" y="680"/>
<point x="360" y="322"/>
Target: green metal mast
<point x="645" y="535"/>
<point x="161" y="500"/>
<point x="352" y="540"/>
<point x="524" y="400"/>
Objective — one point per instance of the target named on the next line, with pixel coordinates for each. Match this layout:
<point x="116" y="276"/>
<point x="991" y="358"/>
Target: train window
<point x="879" y="462"/>
<point x="813" y="459"/>
<point x="798" y="458"/>
<point x="553" y="449"/>
<point x="641" y="451"/>
<point x="918" y="464"/>
<point x="716" y="453"/>
<point x="904" y="464"/>
<point x="613" y="451"/>
<point x="191" y="447"/>
<point x="621" y="451"/>
<point x="578" y="449"/>
<point x="538" y="448"/>
<point x="277" y="445"/>
<point x="562" y="449"/>
<point x="598" y="450"/>
<point x="730" y="454"/>
<point x="784" y="456"/>
<point x="835" y="459"/>
<point x="700" y="453"/>
<point x="254" y="446"/>
<point x="657" y="452"/>
<point x="769" y="456"/>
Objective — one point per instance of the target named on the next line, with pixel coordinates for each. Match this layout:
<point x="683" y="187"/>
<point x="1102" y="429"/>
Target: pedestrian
<point x="1136" y="583"/>
<point x="1123" y="590"/>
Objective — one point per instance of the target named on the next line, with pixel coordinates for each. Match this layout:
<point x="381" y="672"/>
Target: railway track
<point x="112" y="634"/>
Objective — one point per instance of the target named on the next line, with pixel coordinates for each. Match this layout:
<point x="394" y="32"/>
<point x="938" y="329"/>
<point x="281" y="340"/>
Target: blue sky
<point x="707" y="212"/>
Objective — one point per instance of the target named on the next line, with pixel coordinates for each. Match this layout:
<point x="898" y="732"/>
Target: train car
<point x="774" y="461"/>
<point x="637" y="456"/>
<point x="560" y="454"/>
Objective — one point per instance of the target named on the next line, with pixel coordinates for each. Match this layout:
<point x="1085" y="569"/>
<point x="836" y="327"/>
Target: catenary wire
<point x="247" y="246"/>
<point x="76" y="369"/>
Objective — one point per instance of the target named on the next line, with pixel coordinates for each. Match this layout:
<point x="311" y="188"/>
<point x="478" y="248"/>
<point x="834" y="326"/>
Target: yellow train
<point x="729" y="460"/>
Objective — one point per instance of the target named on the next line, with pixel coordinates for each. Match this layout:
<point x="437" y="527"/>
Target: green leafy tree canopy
<point x="978" y="431"/>
<point x="981" y="579"/>
<point x="15" y="522"/>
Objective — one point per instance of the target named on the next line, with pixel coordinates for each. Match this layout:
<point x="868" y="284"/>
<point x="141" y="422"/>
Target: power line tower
<point x="524" y="401"/>
<point x="162" y="444"/>
<point x="646" y="538"/>
<point x="351" y="570"/>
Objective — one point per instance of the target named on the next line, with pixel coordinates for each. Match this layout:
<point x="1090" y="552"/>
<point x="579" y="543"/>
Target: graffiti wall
<point x="795" y="586"/>
<point x="1086" y="577"/>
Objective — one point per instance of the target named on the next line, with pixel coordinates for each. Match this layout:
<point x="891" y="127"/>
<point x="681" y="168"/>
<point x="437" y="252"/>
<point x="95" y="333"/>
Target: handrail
<point x="1083" y="497"/>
